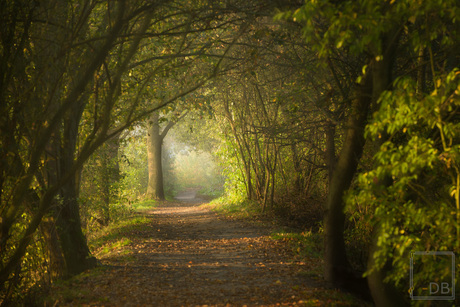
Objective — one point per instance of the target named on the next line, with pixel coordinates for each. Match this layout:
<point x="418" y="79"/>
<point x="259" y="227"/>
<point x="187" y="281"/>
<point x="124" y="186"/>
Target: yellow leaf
<point x="339" y="44"/>
<point x="438" y="83"/>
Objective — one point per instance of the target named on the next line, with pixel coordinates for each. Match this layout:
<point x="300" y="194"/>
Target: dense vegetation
<point x="339" y="116"/>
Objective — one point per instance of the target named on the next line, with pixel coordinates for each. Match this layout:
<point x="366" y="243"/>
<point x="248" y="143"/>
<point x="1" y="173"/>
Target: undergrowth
<point x="303" y="245"/>
<point x="116" y="230"/>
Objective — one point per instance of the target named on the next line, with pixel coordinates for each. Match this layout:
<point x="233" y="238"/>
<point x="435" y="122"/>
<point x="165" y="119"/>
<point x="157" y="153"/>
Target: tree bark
<point x="383" y="293"/>
<point x="56" y="265"/>
<point x="66" y="184"/>
<point x="337" y="266"/>
<point x="330" y="156"/>
<point x="155" y="188"/>
<point x="73" y="242"/>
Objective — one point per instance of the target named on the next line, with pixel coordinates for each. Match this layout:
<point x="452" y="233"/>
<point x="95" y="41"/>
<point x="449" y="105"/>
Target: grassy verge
<point x="144" y="205"/>
<point x="113" y="235"/>
<point x="239" y="209"/>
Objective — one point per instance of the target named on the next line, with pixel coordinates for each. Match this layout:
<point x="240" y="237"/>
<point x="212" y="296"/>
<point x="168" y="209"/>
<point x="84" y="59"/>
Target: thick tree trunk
<point x="376" y="80"/>
<point x="155" y="188"/>
<point x="76" y="252"/>
<point x="382" y="293"/>
<point x="337" y="267"/>
<point x="56" y="259"/>
<point x="73" y="243"/>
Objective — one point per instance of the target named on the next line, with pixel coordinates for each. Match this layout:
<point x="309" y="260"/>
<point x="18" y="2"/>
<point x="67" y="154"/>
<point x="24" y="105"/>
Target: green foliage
<point x="143" y="205"/>
<point x="34" y="268"/>
<point x="190" y="160"/>
<point x="116" y="232"/>
<point x="358" y="25"/>
<point x="234" y="179"/>
<point x="133" y="165"/>
<point x="107" y="249"/>
<point x="413" y="190"/>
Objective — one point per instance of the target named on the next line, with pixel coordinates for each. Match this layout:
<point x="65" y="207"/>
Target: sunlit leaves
<point x="412" y="188"/>
<point x="357" y="25"/>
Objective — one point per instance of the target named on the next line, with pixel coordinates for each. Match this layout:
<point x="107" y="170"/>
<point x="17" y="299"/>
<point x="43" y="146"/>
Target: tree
<point x="155" y="137"/>
<point x="273" y="117"/>
<point x="64" y="77"/>
<point x="52" y="128"/>
<point x="356" y="30"/>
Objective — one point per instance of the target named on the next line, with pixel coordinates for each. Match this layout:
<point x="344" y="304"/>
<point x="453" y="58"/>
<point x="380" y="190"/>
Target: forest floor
<point x="187" y="255"/>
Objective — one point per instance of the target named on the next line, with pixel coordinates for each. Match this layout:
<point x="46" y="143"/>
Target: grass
<point x="306" y="247"/>
<point x="113" y="236"/>
<point x="110" y="248"/>
<point x="144" y="205"/>
<point x="117" y="231"/>
<point x="237" y="208"/>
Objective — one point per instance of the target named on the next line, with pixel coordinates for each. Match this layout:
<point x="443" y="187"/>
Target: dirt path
<point x="190" y="256"/>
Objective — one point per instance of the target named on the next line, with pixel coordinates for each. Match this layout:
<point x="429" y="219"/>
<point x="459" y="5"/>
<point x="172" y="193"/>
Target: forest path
<point x="189" y="196"/>
<point x="190" y="256"/>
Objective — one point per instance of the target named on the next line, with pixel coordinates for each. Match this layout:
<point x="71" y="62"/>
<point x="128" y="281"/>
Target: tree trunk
<point x="298" y="187"/>
<point x="421" y="72"/>
<point x="110" y="175"/>
<point x="62" y="114"/>
<point x="155" y="188"/>
<point x="76" y="252"/>
<point x="330" y="149"/>
<point x="337" y="267"/>
<point x="56" y="259"/>
<point x="382" y="293"/>
<point x="73" y="242"/>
